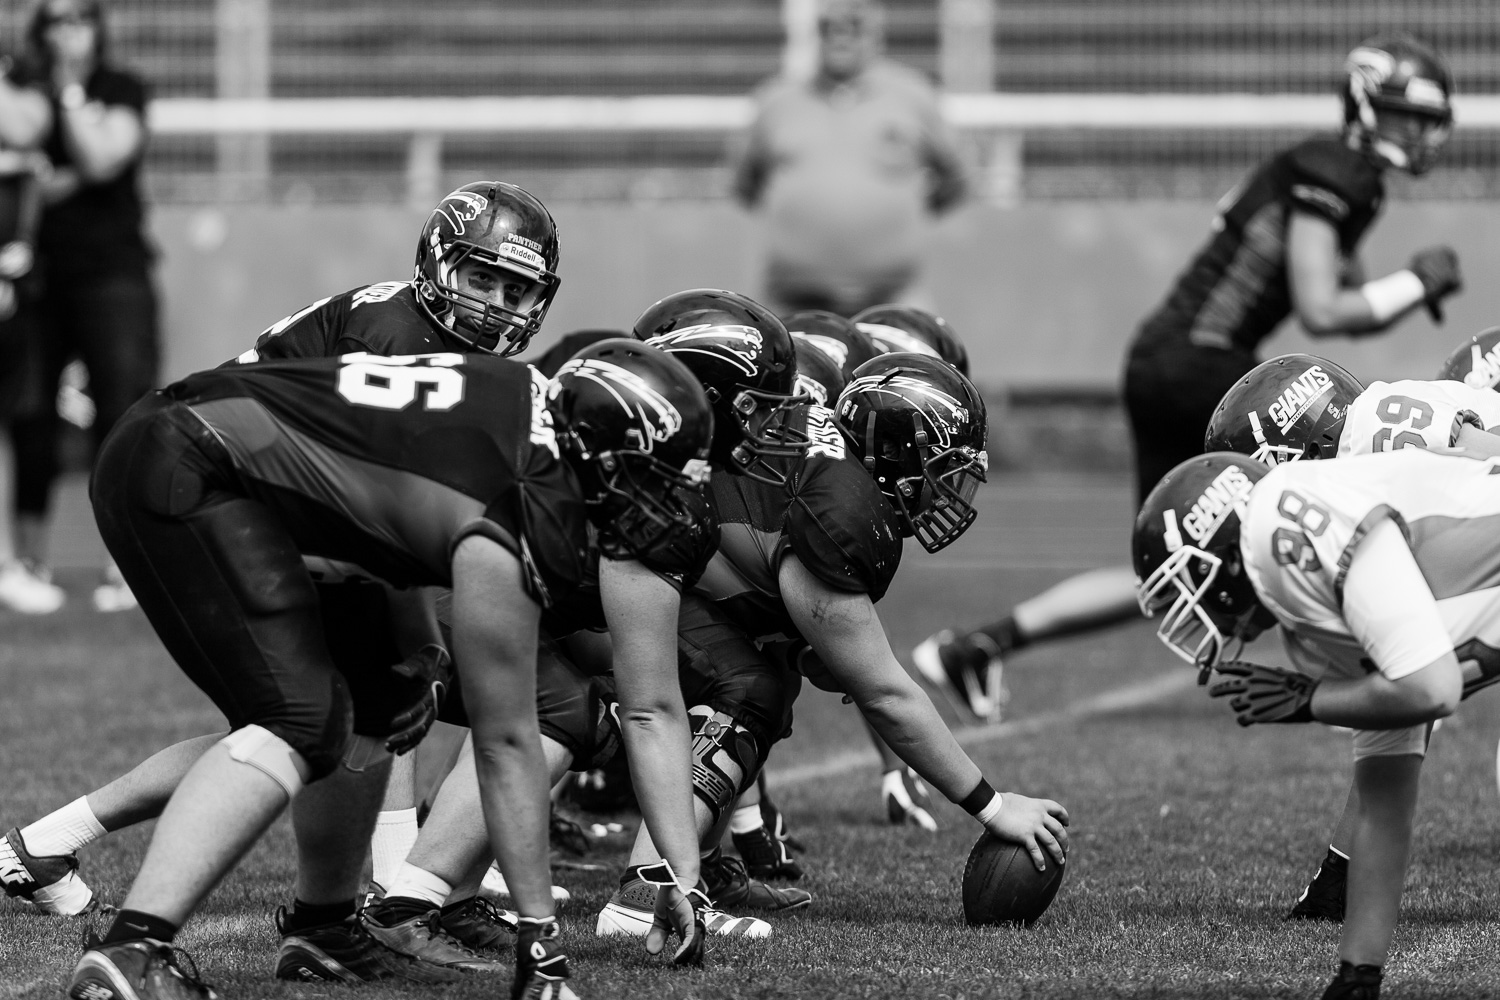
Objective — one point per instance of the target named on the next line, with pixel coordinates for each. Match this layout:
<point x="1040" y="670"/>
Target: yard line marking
<point x="1121" y="699"/>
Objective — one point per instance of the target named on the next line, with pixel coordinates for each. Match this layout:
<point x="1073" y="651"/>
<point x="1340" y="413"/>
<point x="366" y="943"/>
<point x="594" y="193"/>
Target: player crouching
<point x="1375" y="569"/>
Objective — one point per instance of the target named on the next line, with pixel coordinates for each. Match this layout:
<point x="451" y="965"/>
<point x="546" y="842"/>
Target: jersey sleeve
<point x="1389" y="607"/>
<point x="1389" y="416"/>
<point x="841" y="528"/>
<point x="1333" y="182"/>
<point x="303" y="334"/>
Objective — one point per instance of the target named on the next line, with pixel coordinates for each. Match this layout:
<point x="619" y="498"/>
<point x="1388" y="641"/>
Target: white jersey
<point x="1305" y="520"/>
<point x="1389" y="416"/>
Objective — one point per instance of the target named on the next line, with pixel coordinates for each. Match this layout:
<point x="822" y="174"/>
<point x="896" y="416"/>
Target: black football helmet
<point x="846" y="344"/>
<point x="1398" y="73"/>
<point x="1284" y="409"/>
<point x="636" y="426"/>
<point x="1186" y="551"/>
<point x="896" y="327"/>
<point x="918" y="425"/>
<point x="504" y="227"/>
<point x="818" y="377"/>
<point x="1475" y="362"/>
<point x="745" y="359"/>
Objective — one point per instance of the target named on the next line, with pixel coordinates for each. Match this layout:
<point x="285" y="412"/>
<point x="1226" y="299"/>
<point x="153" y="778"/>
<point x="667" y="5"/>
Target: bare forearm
<point x="656" y="743"/>
<point x="1371" y="702"/>
<point x="514" y="791"/>
<point x="102" y="142"/>
<point x="23" y="117"/>
<point x="910" y="725"/>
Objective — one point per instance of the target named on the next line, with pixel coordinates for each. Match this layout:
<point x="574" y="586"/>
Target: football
<point x="1002" y="886"/>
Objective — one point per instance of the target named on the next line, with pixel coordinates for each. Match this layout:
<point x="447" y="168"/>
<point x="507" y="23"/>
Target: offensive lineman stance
<point x="1285" y="241"/>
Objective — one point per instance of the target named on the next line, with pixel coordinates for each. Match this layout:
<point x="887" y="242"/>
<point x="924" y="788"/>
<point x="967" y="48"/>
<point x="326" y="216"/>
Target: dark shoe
<point x="346" y="953"/>
<point x="729" y="885"/>
<point x="968" y="671"/>
<point x="23" y="874"/>
<point x="1355" y="982"/>
<point x="1323" y="899"/>
<point x="775" y="819"/>
<point x="765" y="856"/>
<point x="480" y="924"/>
<point x="423" y="938"/>
<point x="136" y="970"/>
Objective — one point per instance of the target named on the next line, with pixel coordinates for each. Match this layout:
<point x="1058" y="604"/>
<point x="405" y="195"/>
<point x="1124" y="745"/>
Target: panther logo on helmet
<point x="718" y="342"/>
<point x="836" y="350"/>
<point x="656" y="418"/>
<point x="895" y="340"/>
<point x="946" y="414"/>
<point x="462" y="207"/>
<point x="1370" y="67"/>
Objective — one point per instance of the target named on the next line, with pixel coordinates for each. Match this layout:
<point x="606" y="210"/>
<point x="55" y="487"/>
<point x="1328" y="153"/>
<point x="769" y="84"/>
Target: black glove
<point x="1265" y="694"/>
<point x="1437" y="269"/>
<point x="433" y="667"/>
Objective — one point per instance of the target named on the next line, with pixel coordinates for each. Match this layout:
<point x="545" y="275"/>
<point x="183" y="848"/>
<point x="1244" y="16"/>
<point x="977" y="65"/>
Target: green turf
<point x="1191" y="837"/>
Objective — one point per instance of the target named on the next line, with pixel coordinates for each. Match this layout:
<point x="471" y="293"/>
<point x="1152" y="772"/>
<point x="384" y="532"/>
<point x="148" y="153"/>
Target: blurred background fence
<point x="282" y="50"/>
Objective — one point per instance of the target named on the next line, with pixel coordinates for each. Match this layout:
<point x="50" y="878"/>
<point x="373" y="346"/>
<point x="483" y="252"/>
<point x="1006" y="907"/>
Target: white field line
<point x="1121" y="699"/>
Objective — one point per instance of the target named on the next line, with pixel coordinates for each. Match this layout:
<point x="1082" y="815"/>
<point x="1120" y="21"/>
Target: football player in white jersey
<point x="1299" y="406"/>
<point x="1384" y="573"/>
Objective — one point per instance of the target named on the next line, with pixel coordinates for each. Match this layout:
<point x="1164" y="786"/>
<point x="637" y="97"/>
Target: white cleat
<point x="494" y="887"/>
<point x="114" y="594"/>
<point x="630" y="911"/>
<point x="29" y="589"/>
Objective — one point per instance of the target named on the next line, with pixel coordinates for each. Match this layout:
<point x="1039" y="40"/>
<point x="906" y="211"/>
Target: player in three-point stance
<point x="1381" y="571"/>
<point x="1284" y="242"/>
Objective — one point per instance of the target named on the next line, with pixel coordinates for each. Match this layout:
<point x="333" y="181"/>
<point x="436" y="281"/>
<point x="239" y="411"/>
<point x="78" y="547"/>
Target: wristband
<point x="990" y="811"/>
<point x="979" y="799"/>
<point x="1392" y="295"/>
<point x="73" y="97"/>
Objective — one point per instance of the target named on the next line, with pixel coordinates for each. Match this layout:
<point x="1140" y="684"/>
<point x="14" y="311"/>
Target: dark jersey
<point x="384" y="318"/>
<point x="16" y="179"/>
<point x="1235" y="292"/>
<point x="830" y="514"/>
<point x="388" y="463"/>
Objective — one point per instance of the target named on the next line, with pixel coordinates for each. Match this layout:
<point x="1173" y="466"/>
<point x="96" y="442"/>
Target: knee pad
<point x="726" y="758"/>
<point x="271" y="755"/>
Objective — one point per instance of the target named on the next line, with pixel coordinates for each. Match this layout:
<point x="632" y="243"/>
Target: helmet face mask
<point x="918" y="426"/>
<point x="500" y="227"/>
<point x="644" y="505"/>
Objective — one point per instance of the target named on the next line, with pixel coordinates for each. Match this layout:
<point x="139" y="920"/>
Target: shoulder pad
<point x="842" y="528"/>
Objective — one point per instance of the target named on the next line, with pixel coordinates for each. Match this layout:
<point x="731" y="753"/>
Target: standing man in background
<point x="98" y="304"/>
<point x="24" y="120"/>
<point x="848" y="170"/>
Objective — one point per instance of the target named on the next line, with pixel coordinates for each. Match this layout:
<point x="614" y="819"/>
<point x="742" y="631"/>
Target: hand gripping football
<point x="1002" y="886"/>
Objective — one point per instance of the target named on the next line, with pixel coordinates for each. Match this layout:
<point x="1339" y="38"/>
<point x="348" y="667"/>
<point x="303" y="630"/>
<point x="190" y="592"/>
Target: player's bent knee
<point x="726" y="758"/>
<point x="271" y="755"/>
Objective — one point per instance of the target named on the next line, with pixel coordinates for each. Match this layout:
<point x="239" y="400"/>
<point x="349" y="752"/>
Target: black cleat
<point x="1355" y="982"/>
<point x="765" y="856"/>
<point x="136" y="970"/>
<point x="1323" y="899"/>
<point x="346" y="953"/>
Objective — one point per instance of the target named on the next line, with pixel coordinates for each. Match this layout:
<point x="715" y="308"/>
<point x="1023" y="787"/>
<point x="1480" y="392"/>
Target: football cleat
<point x="775" y="819"/>
<point x="479" y="923"/>
<point x="346" y="953"/>
<point x="424" y="938"/>
<point x="47" y="882"/>
<point x="113" y="593"/>
<point x="729" y="885"/>
<point x="1323" y="899"/>
<point x="967" y="670"/>
<point x="541" y="963"/>
<point x="765" y="856"/>
<point x="907" y="801"/>
<point x="1355" y="982"/>
<point x="494" y="888"/>
<point x="29" y="589"/>
<point x="631" y="910"/>
<point x="136" y="970"/>
<point x="568" y="836"/>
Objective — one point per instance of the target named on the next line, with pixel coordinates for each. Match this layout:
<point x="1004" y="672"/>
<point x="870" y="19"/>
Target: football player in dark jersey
<point x="445" y="470"/>
<point x="1284" y="242"/>
<point x="807" y="546"/>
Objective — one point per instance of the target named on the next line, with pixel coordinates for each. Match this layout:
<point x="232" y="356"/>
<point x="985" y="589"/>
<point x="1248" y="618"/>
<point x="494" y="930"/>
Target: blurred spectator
<point x="98" y="302"/>
<point x="847" y="169"/>
<point x="24" y="120"/>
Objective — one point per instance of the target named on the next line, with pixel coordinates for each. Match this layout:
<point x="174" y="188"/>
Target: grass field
<point x="1190" y="836"/>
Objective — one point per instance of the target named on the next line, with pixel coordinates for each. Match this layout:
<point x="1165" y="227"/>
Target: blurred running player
<point x="1379" y="570"/>
<point x="1285" y="242"/>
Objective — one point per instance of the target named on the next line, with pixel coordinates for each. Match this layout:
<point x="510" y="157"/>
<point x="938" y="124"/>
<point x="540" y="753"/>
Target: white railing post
<point x="799" y="56"/>
<point x="966" y="59"/>
<point x="424" y="169"/>
<point x="243" y="70"/>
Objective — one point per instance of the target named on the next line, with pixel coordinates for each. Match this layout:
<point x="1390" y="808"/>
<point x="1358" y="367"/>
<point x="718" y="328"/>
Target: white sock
<point x="746" y="819"/>
<point x="412" y="882"/>
<point x="66" y="897"/>
<point x="395" y="833"/>
<point x="64" y="831"/>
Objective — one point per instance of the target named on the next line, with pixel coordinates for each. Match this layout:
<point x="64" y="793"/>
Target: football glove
<point x="541" y="963"/>
<point x="1437" y="269"/>
<point x="432" y="667"/>
<point x="1264" y="694"/>
<point x="677" y="912"/>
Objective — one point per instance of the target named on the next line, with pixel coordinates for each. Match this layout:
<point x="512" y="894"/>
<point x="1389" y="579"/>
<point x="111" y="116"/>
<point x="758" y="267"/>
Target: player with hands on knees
<point x="1373" y="567"/>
